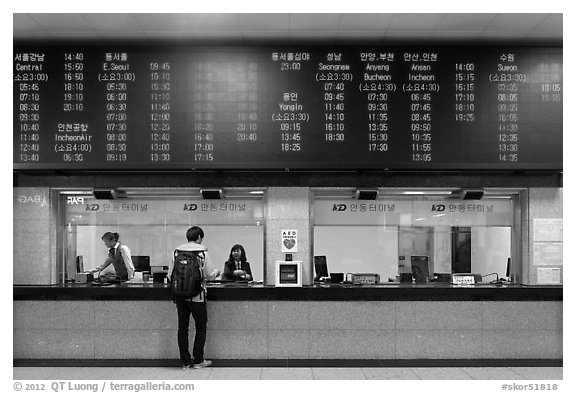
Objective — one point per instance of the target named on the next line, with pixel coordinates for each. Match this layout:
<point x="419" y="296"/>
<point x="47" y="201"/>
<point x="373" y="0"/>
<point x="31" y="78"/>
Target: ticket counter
<point x="392" y="322"/>
<point x="55" y="318"/>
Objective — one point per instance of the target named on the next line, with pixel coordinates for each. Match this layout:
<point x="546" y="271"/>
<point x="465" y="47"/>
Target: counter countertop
<point x="260" y="292"/>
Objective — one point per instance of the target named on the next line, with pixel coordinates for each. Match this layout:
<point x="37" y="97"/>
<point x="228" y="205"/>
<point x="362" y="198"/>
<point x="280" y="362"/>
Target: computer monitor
<point x="420" y="267"/>
<point x="141" y="263"/>
<point x="79" y="264"/>
<point x="321" y="267"/>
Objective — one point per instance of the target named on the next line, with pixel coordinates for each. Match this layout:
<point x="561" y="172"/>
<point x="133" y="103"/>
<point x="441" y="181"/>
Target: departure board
<point x="304" y="108"/>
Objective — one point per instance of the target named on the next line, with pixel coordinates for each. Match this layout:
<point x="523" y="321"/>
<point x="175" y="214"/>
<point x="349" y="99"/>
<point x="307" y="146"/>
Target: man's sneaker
<point x="186" y="366"/>
<point x="205" y="363"/>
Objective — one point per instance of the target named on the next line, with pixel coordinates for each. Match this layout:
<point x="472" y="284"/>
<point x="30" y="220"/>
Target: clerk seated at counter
<point x="237" y="268"/>
<point x="118" y="256"/>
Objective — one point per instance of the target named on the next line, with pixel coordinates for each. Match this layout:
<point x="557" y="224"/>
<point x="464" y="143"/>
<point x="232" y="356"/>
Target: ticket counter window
<point x="399" y="238"/>
<point x="153" y="227"/>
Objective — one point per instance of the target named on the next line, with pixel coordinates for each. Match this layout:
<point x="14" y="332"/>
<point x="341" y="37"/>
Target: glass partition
<point x="154" y="227"/>
<point x="431" y="235"/>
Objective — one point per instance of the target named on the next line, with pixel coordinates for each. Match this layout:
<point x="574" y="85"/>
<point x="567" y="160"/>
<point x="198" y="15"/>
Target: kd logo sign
<point x="438" y="208"/>
<point x="339" y="207"/>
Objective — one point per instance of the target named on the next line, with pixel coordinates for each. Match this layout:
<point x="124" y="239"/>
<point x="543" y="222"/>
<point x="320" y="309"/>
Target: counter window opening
<point x="420" y="237"/>
<point x="152" y="225"/>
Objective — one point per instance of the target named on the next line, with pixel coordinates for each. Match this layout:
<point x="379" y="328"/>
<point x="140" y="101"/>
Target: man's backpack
<point x="186" y="278"/>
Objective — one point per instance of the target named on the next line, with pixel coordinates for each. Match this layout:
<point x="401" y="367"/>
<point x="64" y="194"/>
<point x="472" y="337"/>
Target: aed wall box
<point x="288" y="274"/>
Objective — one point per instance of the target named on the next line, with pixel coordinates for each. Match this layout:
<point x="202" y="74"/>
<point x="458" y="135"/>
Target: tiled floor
<point x="284" y="373"/>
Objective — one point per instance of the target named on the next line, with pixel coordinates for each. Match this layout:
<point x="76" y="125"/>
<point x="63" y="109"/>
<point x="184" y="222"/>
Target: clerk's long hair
<point x="242" y="253"/>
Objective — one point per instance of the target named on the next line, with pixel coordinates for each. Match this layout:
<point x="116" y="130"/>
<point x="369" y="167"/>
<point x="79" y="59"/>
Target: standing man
<point x="195" y="305"/>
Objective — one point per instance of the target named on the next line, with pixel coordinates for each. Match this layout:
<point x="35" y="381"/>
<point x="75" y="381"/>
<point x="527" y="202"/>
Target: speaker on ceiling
<point x="472" y="194"/>
<point x="211" y="193"/>
<point x="104" y="193"/>
<point x="367" y="195"/>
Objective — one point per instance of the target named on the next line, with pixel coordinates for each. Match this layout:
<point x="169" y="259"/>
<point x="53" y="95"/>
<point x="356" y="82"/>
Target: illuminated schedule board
<point x="317" y="108"/>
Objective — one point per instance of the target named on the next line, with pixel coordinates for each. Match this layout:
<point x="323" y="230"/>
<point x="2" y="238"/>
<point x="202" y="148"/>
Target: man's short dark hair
<point x="193" y="233"/>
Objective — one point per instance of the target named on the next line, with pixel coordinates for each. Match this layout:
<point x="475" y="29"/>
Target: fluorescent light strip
<point x="426" y="193"/>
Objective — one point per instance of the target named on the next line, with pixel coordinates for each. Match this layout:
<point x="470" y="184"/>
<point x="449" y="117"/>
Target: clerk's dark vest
<point x="118" y="263"/>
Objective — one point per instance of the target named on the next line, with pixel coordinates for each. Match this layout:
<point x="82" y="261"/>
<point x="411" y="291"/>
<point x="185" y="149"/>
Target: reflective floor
<point x="286" y="373"/>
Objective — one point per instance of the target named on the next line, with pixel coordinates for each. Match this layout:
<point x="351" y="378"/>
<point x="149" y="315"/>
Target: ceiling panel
<point x="359" y="36"/>
<point x="72" y="35"/>
<point x="105" y="23"/>
<point x="247" y="28"/>
<point x="516" y="22"/>
<point x="364" y="22"/>
<point x="162" y="22"/>
<point x="62" y="22"/>
<point x="552" y="23"/>
<point x="214" y="22"/>
<point x="512" y="38"/>
<point x="133" y="35"/>
<point x="23" y="23"/>
<point x="266" y="37"/>
<point x="212" y="37"/>
<point x="542" y="38"/>
<point x="264" y="22"/>
<point x="302" y="35"/>
<point x="456" y="35"/>
<point x="415" y="22"/>
<point x="465" y="22"/>
<point x="406" y="37"/>
<point x="34" y="35"/>
<point x="314" y="22"/>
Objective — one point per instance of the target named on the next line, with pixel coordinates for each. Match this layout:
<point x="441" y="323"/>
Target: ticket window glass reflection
<point x="473" y="249"/>
<point x="155" y="227"/>
<point x="415" y="243"/>
<point x="462" y="250"/>
<point x="490" y="249"/>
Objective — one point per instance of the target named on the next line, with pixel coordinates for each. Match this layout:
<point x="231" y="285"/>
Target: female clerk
<point x="237" y="267"/>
